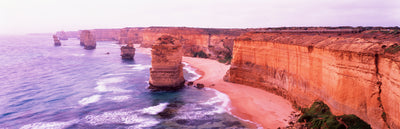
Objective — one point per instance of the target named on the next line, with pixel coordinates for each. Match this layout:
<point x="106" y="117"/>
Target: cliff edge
<point x="353" y="72"/>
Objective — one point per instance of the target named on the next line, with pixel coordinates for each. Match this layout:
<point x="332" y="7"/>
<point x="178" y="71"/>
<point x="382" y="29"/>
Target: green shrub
<point x="319" y="116"/>
<point x="393" y="49"/>
<point x="200" y="54"/>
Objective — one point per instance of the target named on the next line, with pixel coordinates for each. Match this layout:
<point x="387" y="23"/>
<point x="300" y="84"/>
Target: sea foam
<point x="102" y="85"/>
<point x="154" y="109"/>
<point x="49" y="125"/>
<point x="137" y="118"/>
<point x="89" y="100"/>
<point x="140" y="67"/>
<point x="191" y="70"/>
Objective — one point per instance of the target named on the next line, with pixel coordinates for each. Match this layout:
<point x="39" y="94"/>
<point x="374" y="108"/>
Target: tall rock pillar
<point x="56" y="41"/>
<point x="88" y="40"/>
<point x="128" y="52"/>
<point x="166" y="60"/>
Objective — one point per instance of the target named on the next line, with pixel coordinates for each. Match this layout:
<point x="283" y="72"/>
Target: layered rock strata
<point x="166" y="72"/>
<point x="106" y="34"/>
<point x="87" y="40"/>
<point x="353" y="73"/>
<point x="56" y="41"/>
<point x="128" y="52"/>
<point x="200" y="42"/>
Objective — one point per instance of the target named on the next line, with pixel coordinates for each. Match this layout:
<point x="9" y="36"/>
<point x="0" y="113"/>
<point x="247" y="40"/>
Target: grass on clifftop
<point x="319" y="116"/>
<point x="393" y="49"/>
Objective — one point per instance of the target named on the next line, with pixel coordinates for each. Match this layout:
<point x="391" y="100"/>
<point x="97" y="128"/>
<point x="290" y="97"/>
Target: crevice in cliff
<point x="379" y="83"/>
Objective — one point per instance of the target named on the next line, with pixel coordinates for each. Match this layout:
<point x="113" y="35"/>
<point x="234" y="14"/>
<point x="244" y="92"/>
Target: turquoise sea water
<point x="43" y="86"/>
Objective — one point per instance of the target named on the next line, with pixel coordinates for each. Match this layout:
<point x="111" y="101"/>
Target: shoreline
<point x="257" y="107"/>
<point x="252" y="105"/>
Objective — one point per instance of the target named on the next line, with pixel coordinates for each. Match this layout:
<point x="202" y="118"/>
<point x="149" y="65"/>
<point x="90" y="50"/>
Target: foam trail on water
<point x="119" y="98"/>
<point x="49" y="125"/>
<point x="140" y="67"/>
<point x="128" y="117"/>
<point x="221" y="99"/>
<point x="191" y="70"/>
<point x="154" y="109"/>
<point x="89" y="100"/>
<point x="102" y="85"/>
<point x="78" y="55"/>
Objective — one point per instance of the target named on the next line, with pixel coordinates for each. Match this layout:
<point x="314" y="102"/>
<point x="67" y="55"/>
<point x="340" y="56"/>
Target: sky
<point x="49" y="16"/>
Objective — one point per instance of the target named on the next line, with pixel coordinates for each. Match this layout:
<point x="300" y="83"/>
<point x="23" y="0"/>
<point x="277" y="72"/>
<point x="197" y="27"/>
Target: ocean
<point x="68" y="87"/>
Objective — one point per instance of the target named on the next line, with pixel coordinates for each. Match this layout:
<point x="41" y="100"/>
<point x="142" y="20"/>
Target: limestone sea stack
<point x="128" y="52"/>
<point x="88" y="40"/>
<point x="166" y="59"/>
<point x="56" y="41"/>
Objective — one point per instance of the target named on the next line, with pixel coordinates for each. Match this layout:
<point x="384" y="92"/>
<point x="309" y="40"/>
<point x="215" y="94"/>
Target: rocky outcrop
<point x="62" y="35"/>
<point x="128" y="52"/>
<point x="352" y="72"/>
<point x="56" y="41"/>
<point x="166" y="72"/>
<point x="87" y="40"/>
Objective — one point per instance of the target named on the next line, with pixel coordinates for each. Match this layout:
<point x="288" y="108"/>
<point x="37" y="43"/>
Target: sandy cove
<point x="248" y="103"/>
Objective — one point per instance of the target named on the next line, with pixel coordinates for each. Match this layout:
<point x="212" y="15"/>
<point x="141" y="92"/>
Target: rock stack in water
<point x="88" y="40"/>
<point x="128" y="52"/>
<point x="56" y="41"/>
<point x="166" y="60"/>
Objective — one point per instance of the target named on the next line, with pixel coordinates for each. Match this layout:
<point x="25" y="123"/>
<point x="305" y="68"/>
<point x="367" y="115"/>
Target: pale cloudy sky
<point x="43" y="16"/>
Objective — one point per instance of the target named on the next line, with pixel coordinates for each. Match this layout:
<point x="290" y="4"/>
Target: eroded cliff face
<point x="214" y="43"/>
<point x="352" y="73"/>
<point x="106" y="34"/>
<point x="389" y="75"/>
<point x="68" y="34"/>
<point x="166" y="72"/>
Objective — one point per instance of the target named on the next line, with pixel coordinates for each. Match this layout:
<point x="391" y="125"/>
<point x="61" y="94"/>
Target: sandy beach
<point x="248" y="103"/>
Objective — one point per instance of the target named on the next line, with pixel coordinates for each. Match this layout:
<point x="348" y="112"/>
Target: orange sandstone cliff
<point x="354" y="72"/>
<point x="203" y="42"/>
<point x="166" y="72"/>
<point x="87" y="40"/>
<point x="106" y="34"/>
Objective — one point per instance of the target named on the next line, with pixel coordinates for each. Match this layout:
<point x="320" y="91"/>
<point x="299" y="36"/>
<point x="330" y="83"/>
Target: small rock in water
<point x="171" y="110"/>
<point x="190" y="83"/>
<point x="231" y="123"/>
<point x="199" y="86"/>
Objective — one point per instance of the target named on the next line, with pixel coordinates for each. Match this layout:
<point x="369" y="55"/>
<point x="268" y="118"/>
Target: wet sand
<point x="248" y="103"/>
